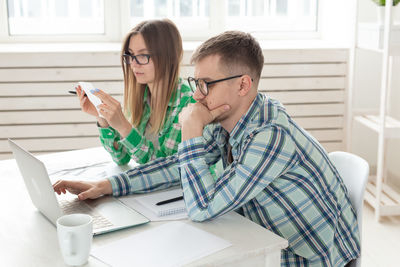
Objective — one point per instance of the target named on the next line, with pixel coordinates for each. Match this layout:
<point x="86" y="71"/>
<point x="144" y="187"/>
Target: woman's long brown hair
<point x="164" y="43"/>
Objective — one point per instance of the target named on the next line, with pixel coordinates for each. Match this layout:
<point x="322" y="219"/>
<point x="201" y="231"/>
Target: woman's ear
<point x="245" y="85"/>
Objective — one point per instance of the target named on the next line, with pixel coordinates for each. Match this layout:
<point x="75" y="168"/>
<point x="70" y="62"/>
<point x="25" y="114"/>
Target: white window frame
<point x="117" y="24"/>
<point x="217" y="25"/>
<point x="112" y="27"/>
<point x="265" y="35"/>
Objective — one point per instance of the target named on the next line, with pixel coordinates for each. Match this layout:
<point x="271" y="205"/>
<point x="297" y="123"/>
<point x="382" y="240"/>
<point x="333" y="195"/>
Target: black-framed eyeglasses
<point x="142" y="59"/>
<point x="202" y="85"/>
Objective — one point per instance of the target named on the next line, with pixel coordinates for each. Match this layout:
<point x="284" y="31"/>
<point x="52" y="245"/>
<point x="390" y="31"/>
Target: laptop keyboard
<point x="77" y="206"/>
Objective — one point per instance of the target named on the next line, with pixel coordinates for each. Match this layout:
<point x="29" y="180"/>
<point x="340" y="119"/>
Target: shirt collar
<point x="246" y="120"/>
<point x="221" y="135"/>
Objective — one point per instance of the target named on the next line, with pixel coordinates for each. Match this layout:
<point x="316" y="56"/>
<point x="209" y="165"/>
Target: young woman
<point x="154" y="95"/>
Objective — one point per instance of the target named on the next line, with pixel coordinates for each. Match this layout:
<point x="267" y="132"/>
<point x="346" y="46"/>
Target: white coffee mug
<point x="75" y="234"/>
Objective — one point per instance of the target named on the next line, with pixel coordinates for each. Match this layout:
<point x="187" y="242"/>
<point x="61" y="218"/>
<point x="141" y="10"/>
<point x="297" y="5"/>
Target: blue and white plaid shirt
<point x="280" y="178"/>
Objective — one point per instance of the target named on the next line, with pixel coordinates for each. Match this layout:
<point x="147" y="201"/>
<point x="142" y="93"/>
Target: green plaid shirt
<point x="136" y="146"/>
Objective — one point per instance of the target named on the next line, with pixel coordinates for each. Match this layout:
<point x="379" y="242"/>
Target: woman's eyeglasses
<point x="140" y="59"/>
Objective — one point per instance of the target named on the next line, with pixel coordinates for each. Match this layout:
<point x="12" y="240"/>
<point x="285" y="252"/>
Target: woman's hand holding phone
<point x="108" y="113"/>
<point x="85" y="103"/>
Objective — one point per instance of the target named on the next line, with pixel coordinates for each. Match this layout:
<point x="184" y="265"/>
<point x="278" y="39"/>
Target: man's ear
<point x="245" y="85"/>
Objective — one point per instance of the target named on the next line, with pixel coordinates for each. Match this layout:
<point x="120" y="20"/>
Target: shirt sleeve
<point x="109" y="136"/>
<point x="266" y="155"/>
<point x="138" y="147"/>
<point x="134" y="145"/>
<point x="158" y="174"/>
<point x="142" y="150"/>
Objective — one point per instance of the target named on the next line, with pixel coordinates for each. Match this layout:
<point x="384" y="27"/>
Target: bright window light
<point x="77" y="20"/>
<point x="55" y="17"/>
<point x="190" y="15"/>
<point x="245" y="15"/>
<point x="272" y="15"/>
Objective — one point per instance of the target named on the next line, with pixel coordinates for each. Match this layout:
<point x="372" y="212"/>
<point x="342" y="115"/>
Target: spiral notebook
<point x="149" y="201"/>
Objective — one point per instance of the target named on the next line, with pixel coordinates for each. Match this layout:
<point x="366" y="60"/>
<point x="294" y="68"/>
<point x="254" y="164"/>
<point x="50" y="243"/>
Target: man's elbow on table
<point x="197" y="215"/>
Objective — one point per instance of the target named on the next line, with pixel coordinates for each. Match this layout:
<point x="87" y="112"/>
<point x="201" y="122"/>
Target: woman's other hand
<point x="111" y="110"/>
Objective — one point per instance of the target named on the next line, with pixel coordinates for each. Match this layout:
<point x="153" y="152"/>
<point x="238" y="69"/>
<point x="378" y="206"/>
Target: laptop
<point x="109" y="214"/>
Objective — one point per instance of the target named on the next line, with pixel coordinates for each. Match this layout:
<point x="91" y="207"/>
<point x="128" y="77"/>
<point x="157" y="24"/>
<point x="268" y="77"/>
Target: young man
<point x="275" y="173"/>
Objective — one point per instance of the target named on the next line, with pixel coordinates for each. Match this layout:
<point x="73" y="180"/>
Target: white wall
<point x="367" y="86"/>
<point x="337" y="25"/>
<point x="36" y="110"/>
<point x="337" y="19"/>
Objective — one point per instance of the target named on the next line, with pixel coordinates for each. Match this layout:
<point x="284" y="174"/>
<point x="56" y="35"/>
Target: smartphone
<point x="87" y="87"/>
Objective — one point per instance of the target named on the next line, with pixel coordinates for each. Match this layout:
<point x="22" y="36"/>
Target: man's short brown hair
<point x="238" y="51"/>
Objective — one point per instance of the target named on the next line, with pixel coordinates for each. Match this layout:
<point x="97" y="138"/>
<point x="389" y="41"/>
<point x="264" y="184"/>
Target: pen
<point x="169" y="200"/>
<point x="73" y="92"/>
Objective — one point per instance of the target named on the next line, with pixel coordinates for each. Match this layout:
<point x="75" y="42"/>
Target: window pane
<point x="161" y="8"/>
<point x="34" y="8"/>
<point x="61" y="8"/>
<point x="56" y="17"/>
<point x="234" y="8"/>
<point x="85" y="8"/>
<point x="137" y="8"/>
<point x="169" y="8"/>
<point x="257" y="7"/>
<point x="281" y="7"/>
<point x="256" y="16"/>
<point x="307" y="7"/>
<point x="11" y="10"/>
<point x="186" y="8"/>
<point x="186" y="14"/>
<point x="272" y="15"/>
<point x="206" y="9"/>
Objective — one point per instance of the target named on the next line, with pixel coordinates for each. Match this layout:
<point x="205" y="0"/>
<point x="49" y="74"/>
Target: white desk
<point x="28" y="239"/>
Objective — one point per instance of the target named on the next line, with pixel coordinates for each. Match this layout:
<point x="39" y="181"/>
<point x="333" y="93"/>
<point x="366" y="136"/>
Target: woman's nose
<point x="134" y="64"/>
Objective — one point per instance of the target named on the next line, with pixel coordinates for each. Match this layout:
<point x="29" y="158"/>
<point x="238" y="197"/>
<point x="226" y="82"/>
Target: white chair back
<point x="354" y="171"/>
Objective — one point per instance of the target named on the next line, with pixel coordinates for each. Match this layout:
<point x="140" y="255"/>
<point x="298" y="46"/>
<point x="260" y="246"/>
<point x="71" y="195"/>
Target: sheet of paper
<point x="132" y="202"/>
<point x="75" y="159"/>
<point x="91" y="171"/>
<point x="171" y="244"/>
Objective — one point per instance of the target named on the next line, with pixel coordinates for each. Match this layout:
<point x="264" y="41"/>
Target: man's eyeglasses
<point x="140" y="59"/>
<point x="202" y="85"/>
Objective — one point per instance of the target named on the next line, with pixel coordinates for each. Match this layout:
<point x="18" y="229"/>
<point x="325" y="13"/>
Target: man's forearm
<point x="157" y="174"/>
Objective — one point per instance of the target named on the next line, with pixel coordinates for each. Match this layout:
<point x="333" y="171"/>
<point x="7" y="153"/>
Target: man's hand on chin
<point x="195" y="117"/>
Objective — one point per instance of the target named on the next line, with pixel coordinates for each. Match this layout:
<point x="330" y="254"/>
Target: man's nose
<point x="197" y="95"/>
